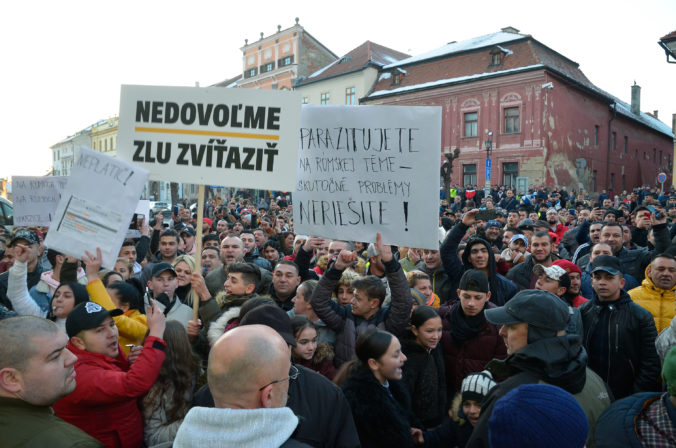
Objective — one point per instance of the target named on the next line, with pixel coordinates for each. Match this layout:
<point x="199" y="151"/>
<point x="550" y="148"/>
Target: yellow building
<point x="104" y="136"/>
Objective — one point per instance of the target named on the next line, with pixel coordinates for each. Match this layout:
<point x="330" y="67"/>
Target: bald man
<point x="249" y="373"/>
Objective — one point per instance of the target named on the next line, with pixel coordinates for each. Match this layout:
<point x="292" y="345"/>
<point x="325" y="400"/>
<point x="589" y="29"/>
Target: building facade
<point x="530" y="110"/>
<point x="279" y="60"/>
<point x="104" y="136"/>
<point x="346" y="80"/>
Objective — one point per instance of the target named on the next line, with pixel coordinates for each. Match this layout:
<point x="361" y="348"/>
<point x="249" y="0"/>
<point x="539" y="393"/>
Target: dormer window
<point x="396" y="79"/>
<point x="497" y="56"/>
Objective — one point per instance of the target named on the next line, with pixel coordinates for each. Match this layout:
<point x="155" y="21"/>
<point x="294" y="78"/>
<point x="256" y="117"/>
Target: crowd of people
<point x="543" y="319"/>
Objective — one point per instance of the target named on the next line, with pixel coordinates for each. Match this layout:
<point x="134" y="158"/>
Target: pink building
<point x="536" y="111"/>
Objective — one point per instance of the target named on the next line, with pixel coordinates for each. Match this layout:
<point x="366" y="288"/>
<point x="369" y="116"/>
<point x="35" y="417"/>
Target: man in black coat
<point x="619" y="335"/>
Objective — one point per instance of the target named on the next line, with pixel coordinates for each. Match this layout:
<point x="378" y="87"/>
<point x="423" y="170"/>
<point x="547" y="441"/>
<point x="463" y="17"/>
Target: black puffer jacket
<point x="441" y="284"/>
<point x="501" y="288"/>
<point x="382" y="420"/>
<point x="633" y="364"/>
<point x="425" y="381"/>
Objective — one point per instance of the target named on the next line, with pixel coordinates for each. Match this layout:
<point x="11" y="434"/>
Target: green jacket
<point x="23" y="424"/>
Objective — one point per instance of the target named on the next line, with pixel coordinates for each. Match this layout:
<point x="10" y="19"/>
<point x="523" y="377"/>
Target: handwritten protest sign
<point x="369" y="169"/>
<point x="35" y="198"/>
<point x="214" y="136"/>
<point x="96" y="206"/>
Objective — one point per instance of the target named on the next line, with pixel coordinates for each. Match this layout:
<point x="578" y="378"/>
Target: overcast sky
<point x="63" y="61"/>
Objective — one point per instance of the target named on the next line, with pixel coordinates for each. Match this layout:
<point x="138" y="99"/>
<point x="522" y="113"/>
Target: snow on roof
<point x="384" y="75"/>
<point x="505" y="50"/>
<point x="441" y="82"/>
<point x="323" y="69"/>
<point x="465" y="45"/>
<point x="652" y="122"/>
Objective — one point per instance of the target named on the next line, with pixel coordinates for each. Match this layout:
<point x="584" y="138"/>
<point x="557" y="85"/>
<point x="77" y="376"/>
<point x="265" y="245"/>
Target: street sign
<point x="662" y="178"/>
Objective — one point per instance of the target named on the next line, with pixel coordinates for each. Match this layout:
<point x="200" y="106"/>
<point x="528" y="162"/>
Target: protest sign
<point x="143" y="213"/>
<point x="369" y="169"/>
<point x="215" y="136"/>
<point x="35" y="198"/>
<point x="96" y="206"/>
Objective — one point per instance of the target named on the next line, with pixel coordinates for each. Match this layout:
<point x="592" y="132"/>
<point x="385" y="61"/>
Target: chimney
<point x="655" y="113"/>
<point x="635" y="99"/>
<point x="673" y="123"/>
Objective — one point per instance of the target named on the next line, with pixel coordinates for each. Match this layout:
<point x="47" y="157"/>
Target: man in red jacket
<point x="108" y="387"/>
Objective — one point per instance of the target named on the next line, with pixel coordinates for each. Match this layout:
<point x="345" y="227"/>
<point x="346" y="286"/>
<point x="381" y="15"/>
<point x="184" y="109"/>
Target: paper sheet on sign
<point x="35" y="198"/>
<point x="369" y="169"/>
<point x="96" y="206"/>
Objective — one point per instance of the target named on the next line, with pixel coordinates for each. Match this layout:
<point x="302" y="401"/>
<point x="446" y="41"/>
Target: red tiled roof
<point x="368" y="53"/>
<point x="448" y="68"/>
<point x="669" y="36"/>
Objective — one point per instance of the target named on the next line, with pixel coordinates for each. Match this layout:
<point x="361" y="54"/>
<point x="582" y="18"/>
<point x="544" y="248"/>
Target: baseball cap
<point x="553" y="272"/>
<point x="521" y="237"/>
<point x="607" y="263"/>
<point x="474" y="280"/>
<point x="86" y="316"/>
<point x="189" y="230"/>
<point x="526" y="224"/>
<point x="492" y="223"/>
<point x="25" y="234"/>
<point x="161" y="267"/>
<point x="567" y="266"/>
<point x="541" y="309"/>
<point x="274" y="317"/>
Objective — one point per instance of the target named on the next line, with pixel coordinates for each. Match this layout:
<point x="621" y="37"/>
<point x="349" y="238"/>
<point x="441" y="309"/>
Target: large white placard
<point x="211" y="135"/>
<point x="96" y="206"/>
<point x="369" y="169"/>
<point x="35" y="198"/>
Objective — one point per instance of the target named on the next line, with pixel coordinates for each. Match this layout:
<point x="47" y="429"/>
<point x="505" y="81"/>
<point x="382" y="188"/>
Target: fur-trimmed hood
<point x="217" y="327"/>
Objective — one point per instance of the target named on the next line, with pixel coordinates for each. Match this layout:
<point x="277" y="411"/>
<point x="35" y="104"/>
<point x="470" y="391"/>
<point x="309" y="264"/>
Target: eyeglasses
<point x="293" y="374"/>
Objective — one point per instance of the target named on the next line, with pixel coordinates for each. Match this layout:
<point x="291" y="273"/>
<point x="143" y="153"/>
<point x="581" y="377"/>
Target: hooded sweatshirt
<point x="502" y="289"/>
<point x="253" y="428"/>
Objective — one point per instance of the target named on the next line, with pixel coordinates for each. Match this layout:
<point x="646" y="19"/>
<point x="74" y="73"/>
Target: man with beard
<point x="540" y="253"/>
<point x="533" y="326"/>
<point x="479" y="255"/>
<point x="491" y="234"/>
<point x="468" y="341"/>
<point x="555" y="223"/>
<point x="36" y="370"/>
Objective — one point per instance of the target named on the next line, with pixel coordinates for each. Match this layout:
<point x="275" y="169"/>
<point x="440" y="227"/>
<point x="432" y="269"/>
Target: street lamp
<point x="489" y="147"/>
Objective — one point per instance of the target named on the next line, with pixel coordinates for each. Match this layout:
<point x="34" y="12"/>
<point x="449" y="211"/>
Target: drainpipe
<point x="614" y="105"/>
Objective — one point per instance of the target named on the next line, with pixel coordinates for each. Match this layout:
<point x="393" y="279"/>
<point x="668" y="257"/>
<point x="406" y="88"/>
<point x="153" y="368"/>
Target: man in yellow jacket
<point x="656" y="293"/>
